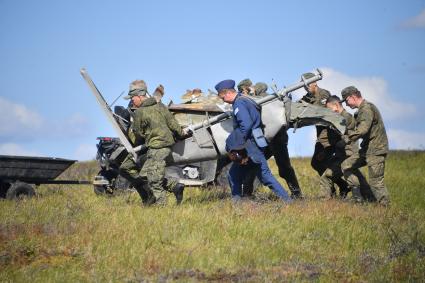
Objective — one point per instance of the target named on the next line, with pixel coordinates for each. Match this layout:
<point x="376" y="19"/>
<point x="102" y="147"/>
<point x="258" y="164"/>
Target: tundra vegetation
<point x="68" y="234"/>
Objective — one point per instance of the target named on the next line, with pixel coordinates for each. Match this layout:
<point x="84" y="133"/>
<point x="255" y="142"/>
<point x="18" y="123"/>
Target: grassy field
<point x="72" y="235"/>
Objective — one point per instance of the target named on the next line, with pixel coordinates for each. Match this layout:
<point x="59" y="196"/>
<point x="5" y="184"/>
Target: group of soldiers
<point x="337" y="158"/>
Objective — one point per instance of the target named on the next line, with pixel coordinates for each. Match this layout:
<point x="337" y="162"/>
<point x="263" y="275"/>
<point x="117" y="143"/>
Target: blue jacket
<point x="246" y="117"/>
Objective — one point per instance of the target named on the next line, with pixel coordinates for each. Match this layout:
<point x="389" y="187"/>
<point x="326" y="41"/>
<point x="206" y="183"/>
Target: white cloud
<point x="401" y="139"/>
<point x="85" y="152"/>
<point x="16" y="149"/>
<point x="374" y="89"/>
<point x="415" y="22"/>
<point x="19" y="123"/>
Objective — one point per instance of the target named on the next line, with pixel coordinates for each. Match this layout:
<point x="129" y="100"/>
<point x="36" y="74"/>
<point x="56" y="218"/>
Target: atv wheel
<point x="18" y="190"/>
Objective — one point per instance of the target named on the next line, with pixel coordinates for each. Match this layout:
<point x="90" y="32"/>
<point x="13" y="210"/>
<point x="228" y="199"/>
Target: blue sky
<point x="47" y="109"/>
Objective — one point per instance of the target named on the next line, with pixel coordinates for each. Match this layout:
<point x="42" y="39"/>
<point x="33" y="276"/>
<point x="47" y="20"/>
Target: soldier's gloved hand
<point x="239" y="157"/>
<point x="187" y="132"/>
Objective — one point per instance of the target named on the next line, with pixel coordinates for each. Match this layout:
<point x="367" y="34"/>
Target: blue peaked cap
<point x="226" y="84"/>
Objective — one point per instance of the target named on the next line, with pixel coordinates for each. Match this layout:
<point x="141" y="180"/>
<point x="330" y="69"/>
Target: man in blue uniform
<point x="246" y="143"/>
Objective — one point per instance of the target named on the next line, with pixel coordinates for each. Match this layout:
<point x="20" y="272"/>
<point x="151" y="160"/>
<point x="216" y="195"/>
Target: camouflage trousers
<point x="154" y="171"/>
<point x="333" y="175"/>
<point x="149" y="177"/>
<point x="376" y="169"/>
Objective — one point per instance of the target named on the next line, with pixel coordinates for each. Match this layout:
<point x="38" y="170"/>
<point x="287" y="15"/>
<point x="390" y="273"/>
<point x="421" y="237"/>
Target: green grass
<point x="70" y="234"/>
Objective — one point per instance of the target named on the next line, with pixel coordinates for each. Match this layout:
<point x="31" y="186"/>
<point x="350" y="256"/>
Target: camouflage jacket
<point x="370" y="128"/>
<point x="351" y="147"/>
<point x="156" y="124"/>
<point x="320" y="100"/>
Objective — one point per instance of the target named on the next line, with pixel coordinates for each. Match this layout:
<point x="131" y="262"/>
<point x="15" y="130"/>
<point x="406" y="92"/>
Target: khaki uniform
<point x="157" y="126"/>
<point x="333" y="174"/>
<point x="322" y="149"/>
<point x="374" y="148"/>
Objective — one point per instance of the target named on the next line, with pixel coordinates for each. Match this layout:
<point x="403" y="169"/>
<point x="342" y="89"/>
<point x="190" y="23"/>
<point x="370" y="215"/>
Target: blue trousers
<point x="238" y="172"/>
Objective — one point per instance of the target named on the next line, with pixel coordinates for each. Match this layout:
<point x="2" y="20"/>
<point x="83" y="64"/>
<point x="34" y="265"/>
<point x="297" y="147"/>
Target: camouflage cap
<point x="346" y="92"/>
<point x="243" y="84"/>
<point x="260" y="88"/>
<point x="137" y="87"/>
<point x="308" y="75"/>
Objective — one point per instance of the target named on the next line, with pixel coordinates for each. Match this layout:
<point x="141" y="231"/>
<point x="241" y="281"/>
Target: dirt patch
<point x="282" y="272"/>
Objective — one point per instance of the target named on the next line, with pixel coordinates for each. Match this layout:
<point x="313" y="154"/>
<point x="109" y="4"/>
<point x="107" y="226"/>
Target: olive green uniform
<point x="333" y="174"/>
<point x="374" y="148"/>
<point x="156" y="125"/>
<point x="322" y="149"/>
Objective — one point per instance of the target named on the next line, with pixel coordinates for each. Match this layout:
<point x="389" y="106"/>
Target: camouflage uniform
<point x="322" y="149"/>
<point x="260" y="89"/>
<point x="244" y="86"/>
<point x="156" y="125"/>
<point x="374" y="148"/>
<point x="333" y="174"/>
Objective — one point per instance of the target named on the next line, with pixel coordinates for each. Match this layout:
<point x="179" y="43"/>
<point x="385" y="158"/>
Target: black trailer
<point x="17" y="173"/>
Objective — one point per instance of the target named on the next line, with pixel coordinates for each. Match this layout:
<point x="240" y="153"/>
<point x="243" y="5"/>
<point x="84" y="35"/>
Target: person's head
<point x="352" y="97"/>
<point x="334" y="103"/>
<point x="260" y="88"/>
<point x="226" y="90"/>
<point x="137" y="92"/>
<point x="245" y="86"/>
<point x="158" y="93"/>
<point x="310" y="88"/>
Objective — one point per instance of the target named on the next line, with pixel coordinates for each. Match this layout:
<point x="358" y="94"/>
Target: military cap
<point x="308" y="76"/>
<point x="244" y="83"/>
<point x="137" y="87"/>
<point x="260" y="88"/>
<point x="346" y="92"/>
<point x="235" y="141"/>
<point x="226" y="84"/>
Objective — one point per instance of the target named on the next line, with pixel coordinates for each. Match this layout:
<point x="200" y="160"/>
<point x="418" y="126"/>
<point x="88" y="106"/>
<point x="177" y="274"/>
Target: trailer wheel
<point x="4" y="186"/>
<point x="20" y="189"/>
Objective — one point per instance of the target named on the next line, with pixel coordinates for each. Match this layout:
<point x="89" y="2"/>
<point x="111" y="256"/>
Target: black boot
<point x="356" y="195"/>
<point x="295" y="191"/>
<point x="178" y="192"/>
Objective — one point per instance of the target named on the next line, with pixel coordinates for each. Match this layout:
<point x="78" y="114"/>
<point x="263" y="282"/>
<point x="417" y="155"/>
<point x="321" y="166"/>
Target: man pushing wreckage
<point x="219" y="135"/>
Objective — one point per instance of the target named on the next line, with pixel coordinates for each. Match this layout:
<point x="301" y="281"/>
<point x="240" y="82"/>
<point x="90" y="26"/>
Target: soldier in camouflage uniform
<point x="260" y="89"/>
<point x="369" y="127"/>
<point x="322" y="149"/>
<point x="279" y="149"/>
<point x="333" y="174"/>
<point x="128" y="168"/>
<point x="245" y="87"/>
<point x="156" y="125"/>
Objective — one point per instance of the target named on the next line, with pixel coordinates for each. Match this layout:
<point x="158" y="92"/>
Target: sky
<point x="46" y="108"/>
